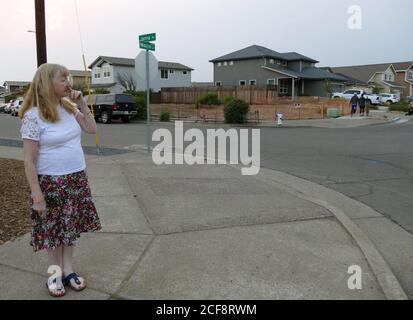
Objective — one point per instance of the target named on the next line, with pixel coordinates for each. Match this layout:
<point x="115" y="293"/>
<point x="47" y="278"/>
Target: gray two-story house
<point x="119" y="75"/>
<point x="294" y="74"/>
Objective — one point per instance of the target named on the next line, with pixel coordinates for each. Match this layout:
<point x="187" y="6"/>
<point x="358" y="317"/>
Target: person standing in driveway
<point x="62" y="206"/>
<point x="363" y="102"/>
<point x="354" y="102"/>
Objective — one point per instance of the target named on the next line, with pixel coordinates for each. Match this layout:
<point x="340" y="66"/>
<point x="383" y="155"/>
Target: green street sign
<point x="147" y="37"/>
<point x="147" y="46"/>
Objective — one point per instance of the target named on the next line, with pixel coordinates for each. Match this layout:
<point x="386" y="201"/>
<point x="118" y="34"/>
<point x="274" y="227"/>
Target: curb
<point x="381" y="270"/>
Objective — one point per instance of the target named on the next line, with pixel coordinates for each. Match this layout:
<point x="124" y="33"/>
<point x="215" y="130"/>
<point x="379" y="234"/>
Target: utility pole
<point x="40" y="32"/>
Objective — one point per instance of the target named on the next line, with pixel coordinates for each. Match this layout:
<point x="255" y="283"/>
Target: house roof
<point x="392" y="84"/>
<point x="113" y="61"/>
<point x="311" y="73"/>
<point x="173" y="65"/>
<point x="365" y="72"/>
<point x="254" y="51"/>
<point x="402" y="66"/>
<point x="131" y="63"/>
<point x="352" y="80"/>
<point x="317" y="73"/>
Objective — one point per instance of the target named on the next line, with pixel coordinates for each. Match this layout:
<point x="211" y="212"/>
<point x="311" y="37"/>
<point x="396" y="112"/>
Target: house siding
<point x="241" y="70"/>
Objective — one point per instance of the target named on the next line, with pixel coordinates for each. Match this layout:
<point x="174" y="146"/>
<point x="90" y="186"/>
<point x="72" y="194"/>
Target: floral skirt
<point x="70" y="211"/>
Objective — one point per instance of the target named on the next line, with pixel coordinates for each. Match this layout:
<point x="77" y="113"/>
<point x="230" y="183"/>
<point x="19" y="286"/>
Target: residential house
<point x="404" y="77"/>
<point x="15" y="86"/>
<point x="294" y="74"/>
<point x="394" y="78"/>
<point x="79" y="79"/>
<point x="119" y="74"/>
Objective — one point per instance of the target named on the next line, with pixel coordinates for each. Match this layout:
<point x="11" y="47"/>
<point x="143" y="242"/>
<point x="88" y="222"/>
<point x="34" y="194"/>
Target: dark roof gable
<point x="254" y="52"/>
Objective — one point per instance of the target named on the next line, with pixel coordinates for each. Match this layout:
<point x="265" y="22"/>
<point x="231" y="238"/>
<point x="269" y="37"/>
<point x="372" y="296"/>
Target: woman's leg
<point x="68" y="265"/>
<point x="55" y="257"/>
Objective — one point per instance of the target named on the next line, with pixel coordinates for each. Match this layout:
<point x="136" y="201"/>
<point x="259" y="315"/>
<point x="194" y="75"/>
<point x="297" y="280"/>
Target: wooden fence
<point x="259" y="94"/>
<point x="307" y="108"/>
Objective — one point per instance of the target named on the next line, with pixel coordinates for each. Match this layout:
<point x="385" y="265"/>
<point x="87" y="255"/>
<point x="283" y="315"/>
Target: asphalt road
<point x="372" y="164"/>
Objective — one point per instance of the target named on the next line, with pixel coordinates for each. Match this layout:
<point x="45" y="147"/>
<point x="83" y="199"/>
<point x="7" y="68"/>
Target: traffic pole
<point x="40" y="32"/>
<point x="148" y="112"/>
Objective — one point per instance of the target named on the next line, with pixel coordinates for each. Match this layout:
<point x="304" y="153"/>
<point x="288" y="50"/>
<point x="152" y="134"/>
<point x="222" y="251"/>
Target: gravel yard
<point x="14" y="199"/>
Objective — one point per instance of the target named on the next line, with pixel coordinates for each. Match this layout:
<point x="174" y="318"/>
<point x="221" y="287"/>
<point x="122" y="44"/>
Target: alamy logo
<point x="355" y="21"/>
<point x="194" y="153"/>
<point x="355" y="281"/>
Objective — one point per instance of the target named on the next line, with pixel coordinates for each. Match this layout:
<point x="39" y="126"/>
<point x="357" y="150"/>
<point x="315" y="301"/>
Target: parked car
<point x="2" y="107"/>
<point x="389" y="98"/>
<point x="371" y="98"/>
<point x="7" y="109"/>
<point x="108" y="107"/>
<point x="15" y="108"/>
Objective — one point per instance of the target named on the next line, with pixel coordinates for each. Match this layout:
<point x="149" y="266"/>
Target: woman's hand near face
<point x="77" y="97"/>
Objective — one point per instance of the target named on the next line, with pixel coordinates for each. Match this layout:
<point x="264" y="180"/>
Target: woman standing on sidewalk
<point x="62" y="206"/>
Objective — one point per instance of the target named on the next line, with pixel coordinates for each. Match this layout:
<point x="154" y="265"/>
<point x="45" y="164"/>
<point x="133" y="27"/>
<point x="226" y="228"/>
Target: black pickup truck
<point x="108" y="107"/>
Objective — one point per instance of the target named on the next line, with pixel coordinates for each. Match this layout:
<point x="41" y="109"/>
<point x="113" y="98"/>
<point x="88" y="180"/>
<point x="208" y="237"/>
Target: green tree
<point x="101" y="91"/>
<point x="328" y="88"/>
<point x="235" y="111"/>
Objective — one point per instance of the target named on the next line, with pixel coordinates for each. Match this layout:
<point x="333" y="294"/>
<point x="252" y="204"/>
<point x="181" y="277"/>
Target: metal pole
<point x="40" y="32"/>
<point x="149" y="129"/>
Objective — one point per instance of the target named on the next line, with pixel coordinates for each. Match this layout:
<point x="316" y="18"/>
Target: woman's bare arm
<point x="30" y="149"/>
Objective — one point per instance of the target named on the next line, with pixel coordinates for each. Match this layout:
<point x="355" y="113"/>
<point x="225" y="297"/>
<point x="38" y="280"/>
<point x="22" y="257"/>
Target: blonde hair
<point x="41" y="93"/>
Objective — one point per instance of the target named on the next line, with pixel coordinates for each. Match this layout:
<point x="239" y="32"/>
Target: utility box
<point x="333" y="113"/>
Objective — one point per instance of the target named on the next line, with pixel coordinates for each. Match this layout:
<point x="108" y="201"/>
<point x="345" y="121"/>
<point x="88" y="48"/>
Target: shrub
<point x="101" y="91"/>
<point x="209" y="98"/>
<point x="9" y="98"/>
<point x="399" y="107"/>
<point x="236" y="111"/>
<point x="228" y="100"/>
<point x="140" y="100"/>
<point x="164" y="116"/>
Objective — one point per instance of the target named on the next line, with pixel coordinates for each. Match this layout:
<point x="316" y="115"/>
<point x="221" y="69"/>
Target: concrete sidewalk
<point x="375" y="118"/>
<point x="207" y="232"/>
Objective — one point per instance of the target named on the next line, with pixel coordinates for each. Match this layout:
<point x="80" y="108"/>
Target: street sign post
<point x="145" y="44"/>
<point x="147" y="37"/>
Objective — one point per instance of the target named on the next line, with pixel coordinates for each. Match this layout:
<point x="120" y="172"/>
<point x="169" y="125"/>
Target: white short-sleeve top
<point x="60" y="149"/>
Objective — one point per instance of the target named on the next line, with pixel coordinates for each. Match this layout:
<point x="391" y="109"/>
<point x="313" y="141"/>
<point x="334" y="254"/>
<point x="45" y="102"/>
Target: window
<point x="219" y="64"/>
<point x="164" y="74"/>
<point x="253" y="82"/>
<point x="271" y="61"/>
<point x="185" y="72"/>
<point x="97" y="73"/>
<point x="225" y="63"/>
<point x="242" y="82"/>
<point x="410" y="75"/>
<point x="171" y="71"/>
<point x="283" y="89"/>
<point x="106" y="72"/>
<point x="278" y="62"/>
<point x="271" y="82"/>
<point x="231" y="63"/>
<point x="284" y="63"/>
<point x="218" y="83"/>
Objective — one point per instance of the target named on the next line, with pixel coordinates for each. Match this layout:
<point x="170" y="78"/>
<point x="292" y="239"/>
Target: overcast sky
<point x="192" y="32"/>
